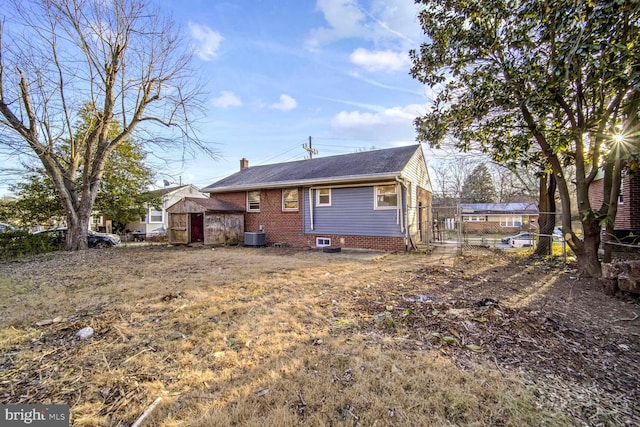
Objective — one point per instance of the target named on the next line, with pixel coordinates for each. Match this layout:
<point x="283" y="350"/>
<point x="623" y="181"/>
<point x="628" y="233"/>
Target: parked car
<point x="94" y="239"/>
<point x="507" y="240"/>
<point x="523" y="239"/>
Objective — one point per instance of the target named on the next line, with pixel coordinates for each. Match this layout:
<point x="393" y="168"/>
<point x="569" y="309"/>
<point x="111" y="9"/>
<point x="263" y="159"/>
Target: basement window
<point x="321" y="242"/>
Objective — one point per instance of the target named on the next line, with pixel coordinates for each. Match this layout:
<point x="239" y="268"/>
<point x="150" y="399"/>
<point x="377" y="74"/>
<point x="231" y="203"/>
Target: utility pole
<point x="309" y="148"/>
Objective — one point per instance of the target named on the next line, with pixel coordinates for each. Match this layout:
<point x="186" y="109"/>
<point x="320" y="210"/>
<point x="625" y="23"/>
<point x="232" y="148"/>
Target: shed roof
<point x="212" y="204"/>
<point x="364" y="166"/>
<point x="167" y="190"/>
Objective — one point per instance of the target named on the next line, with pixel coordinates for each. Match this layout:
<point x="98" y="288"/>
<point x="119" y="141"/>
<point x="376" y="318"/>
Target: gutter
<point x="404" y="211"/>
<point x="304" y="183"/>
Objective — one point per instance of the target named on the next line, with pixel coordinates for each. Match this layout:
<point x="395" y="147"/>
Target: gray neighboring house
<point x="378" y="199"/>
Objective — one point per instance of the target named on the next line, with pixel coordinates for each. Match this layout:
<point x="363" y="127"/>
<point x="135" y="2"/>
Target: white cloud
<point x="345" y="20"/>
<point x="381" y="60"/>
<point x="207" y="41"/>
<point x="227" y="99"/>
<point x="384" y="21"/>
<point x="286" y="103"/>
<point x="391" y="124"/>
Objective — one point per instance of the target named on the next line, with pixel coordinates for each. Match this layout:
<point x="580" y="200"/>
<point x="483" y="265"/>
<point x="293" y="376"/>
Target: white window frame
<point x="621" y="192"/>
<point x="322" y="242"/>
<point x="290" y="200"/>
<point x="510" y="221"/>
<point x="474" y="218"/>
<point x="151" y="214"/>
<point x="249" y="208"/>
<point x="320" y="190"/>
<point x="377" y="194"/>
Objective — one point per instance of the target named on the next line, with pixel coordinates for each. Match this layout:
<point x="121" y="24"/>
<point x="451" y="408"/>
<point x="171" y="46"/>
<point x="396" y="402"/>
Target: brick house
<point x="377" y="199"/>
<point x="628" y="215"/>
<point x="499" y="217"/>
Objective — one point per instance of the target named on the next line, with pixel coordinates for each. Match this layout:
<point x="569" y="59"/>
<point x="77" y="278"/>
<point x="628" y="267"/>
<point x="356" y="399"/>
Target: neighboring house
<point x="377" y="199"/>
<point x="156" y="221"/>
<point x="498" y="217"/>
<point x="101" y="223"/>
<point x="628" y="214"/>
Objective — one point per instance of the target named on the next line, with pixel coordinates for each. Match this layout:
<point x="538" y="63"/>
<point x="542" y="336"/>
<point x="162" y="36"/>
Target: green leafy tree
<point x="527" y="80"/>
<point x="123" y="194"/>
<point x="123" y="58"/>
<point x="37" y="201"/>
<point x="479" y="187"/>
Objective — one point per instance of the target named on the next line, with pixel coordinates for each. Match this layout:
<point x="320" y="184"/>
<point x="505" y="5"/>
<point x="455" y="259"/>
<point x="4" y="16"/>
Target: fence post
<point x="459" y="219"/>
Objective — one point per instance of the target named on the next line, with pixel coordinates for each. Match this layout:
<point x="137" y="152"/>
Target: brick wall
<point x="628" y="215"/>
<point x="634" y="202"/>
<point x="360" y="242"/>
<point x="287" y="227"/>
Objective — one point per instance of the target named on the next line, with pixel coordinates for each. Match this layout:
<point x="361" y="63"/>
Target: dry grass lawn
<point x="254" y="337"/>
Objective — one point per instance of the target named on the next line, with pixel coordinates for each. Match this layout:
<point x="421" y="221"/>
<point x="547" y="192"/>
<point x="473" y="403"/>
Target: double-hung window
<point x="253" y="201"/>
<point x="290" y="199"/>
<point x="323" y="197"/>
<point x="386" y="196"/>
<point x="155" y="215"/>
<point x="510" y="221"/>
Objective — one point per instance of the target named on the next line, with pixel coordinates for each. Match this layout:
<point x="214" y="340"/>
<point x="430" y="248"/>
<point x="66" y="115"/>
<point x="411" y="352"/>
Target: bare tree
<point x="450" y="174"/>
<point x="514" y="185"/>
<point x="119" y="57"/>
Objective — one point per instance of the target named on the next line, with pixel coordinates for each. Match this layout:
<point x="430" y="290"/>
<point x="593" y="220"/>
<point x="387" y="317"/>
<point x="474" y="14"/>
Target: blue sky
<point x="279" y="72"/>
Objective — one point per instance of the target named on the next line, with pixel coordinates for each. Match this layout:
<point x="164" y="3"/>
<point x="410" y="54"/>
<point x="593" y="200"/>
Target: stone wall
<point x="623" y="275"/>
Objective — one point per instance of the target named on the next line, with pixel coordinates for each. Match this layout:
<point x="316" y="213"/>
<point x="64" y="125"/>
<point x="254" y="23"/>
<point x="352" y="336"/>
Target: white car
<point x="522" y="240"/>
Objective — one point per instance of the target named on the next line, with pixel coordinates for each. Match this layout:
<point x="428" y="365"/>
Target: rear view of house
<point x="377" y="199"/>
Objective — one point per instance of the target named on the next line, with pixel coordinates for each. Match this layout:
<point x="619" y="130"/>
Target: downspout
<point x="311" y="208"/>
<point x="404" y="213"/>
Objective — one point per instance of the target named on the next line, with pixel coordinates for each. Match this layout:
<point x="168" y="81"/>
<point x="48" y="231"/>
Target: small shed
<point x="209" y="221"/>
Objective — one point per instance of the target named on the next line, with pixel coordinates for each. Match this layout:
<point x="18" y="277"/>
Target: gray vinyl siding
<point x="351" y="213"/>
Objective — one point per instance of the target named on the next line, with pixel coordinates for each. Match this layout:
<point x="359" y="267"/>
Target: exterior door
<point x="420" y="221"/>
<point x="197" y="228"/>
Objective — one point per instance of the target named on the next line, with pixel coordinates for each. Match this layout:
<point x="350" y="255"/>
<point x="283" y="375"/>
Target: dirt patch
<point x="237" y="335"/>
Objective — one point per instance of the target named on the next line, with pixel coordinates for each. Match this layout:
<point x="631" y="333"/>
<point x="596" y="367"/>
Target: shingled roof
<point x="363" y="166"/>
<point x="497" y="208"/>
<point x="215" y="205"/>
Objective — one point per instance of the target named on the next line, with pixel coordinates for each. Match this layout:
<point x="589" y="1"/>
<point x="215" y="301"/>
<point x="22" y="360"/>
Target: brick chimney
<point x="244" y="164"/>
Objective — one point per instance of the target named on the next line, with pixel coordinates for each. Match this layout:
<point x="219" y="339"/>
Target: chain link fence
<point x="522" y="231"/>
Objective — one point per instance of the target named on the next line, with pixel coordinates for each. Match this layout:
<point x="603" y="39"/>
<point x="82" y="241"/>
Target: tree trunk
<point x="77" y="232"/>
<point x="611" y="189"/>
<point x="547" y="218"/>
<point x="79" y="209"/>
<point x="587" y="257"/>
